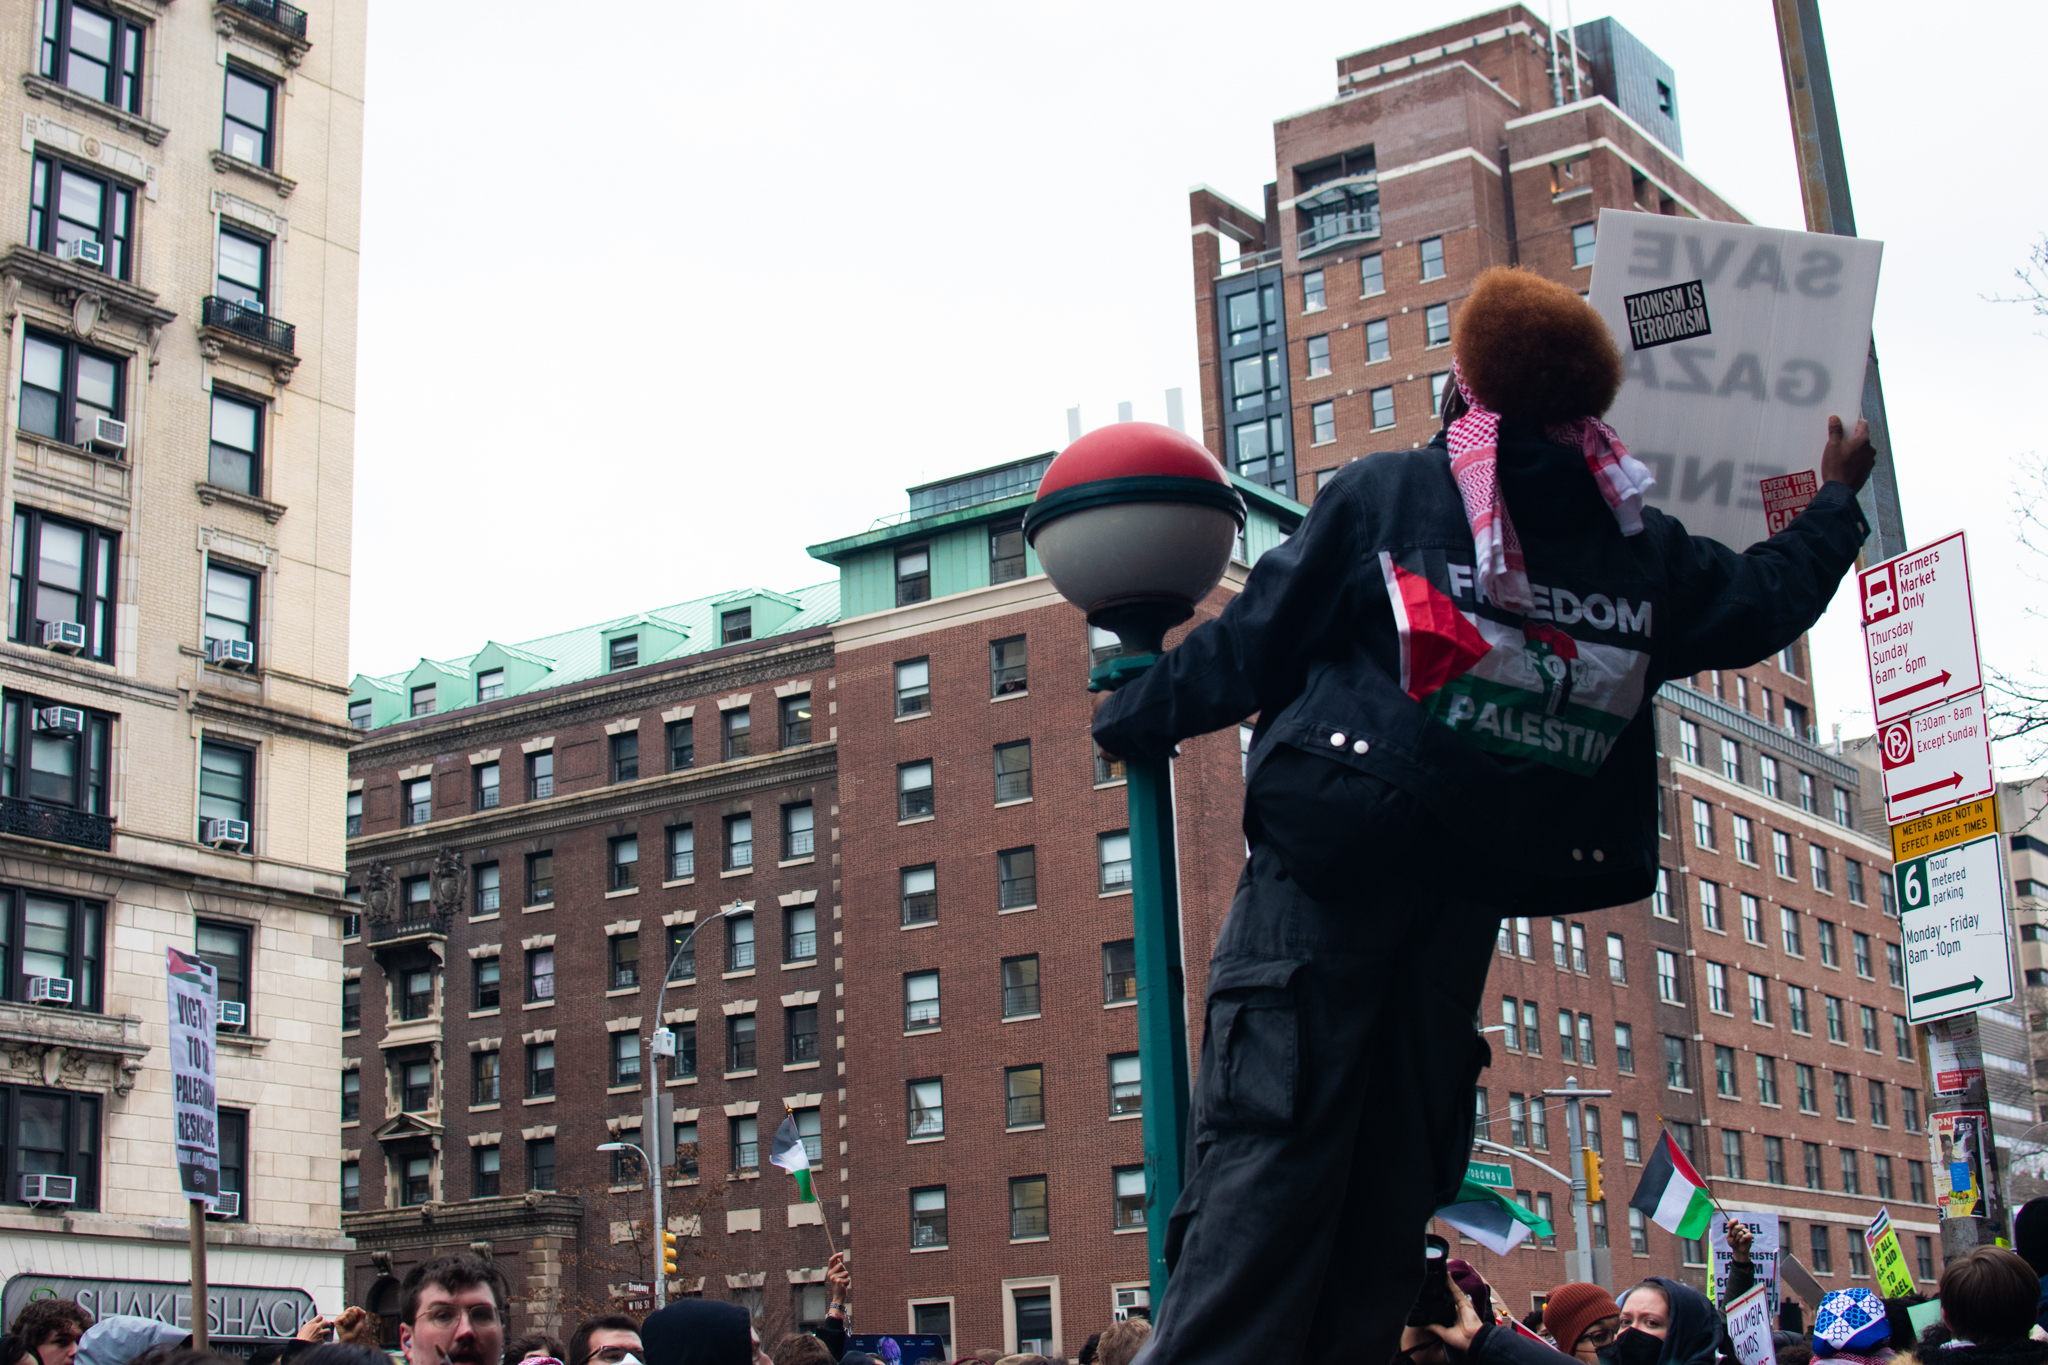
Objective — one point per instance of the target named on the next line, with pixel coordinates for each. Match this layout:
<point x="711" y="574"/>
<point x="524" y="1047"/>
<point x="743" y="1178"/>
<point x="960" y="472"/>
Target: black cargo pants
<point x="1332" y="1115"/>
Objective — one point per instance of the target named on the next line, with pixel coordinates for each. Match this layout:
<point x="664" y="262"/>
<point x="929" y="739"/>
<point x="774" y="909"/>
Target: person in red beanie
<point x="1582" y="1318"/>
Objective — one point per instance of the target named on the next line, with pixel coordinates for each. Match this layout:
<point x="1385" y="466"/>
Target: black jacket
<point x="1402" y="717"/>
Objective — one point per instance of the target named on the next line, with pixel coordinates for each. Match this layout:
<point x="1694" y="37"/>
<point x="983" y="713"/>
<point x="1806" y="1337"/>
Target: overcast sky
<point x="650" y="305"/>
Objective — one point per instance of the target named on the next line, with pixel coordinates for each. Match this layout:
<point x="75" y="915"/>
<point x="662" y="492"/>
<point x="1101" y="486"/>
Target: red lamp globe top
<point x="1131" y="449"/>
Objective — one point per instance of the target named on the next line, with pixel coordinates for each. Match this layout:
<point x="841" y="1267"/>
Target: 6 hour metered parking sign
<point x="1736" y="343"/>
<point x="1958" y="942"/>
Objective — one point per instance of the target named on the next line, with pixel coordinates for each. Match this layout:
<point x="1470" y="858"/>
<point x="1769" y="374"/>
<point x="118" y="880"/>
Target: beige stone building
<point x="178" y="245"/>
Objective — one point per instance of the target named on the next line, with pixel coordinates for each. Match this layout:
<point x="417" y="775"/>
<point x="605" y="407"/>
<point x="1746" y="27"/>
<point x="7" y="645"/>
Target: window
<point x="1582" y="244"/>
<point x="540" y="1164"/>
<point x="486" y="780"/>
<point x="1852" y="876"/>
<point x="1377" y="346"/>
<point x="1887" y="895"/>
<point x="1731" y="759"/>
<point x="740" y="1034"/>
<point x="351" y="1004"/>
<point x="925" y="1108"/>
<point x="1923" y="1250"/>
<point x="1312" y="292"/>
<point x="920" y="894"/>
<point x="1675" y="1074"/>
<point x="1113" y="861"/>
<point x="1795" y="1008"/>
<point x="1559" y="956"/>
<point x="359" y="714"/>
<point x="1660" y="898"/>
<point x="415" y="1179"/>
<point x="1565" y="1044"/>
<point x="1432" y="249"/>
<point x="736" y="627"/>
<point x="352" y="1186"/>
<point x="1902" y="1038"/>
<point x="1524" y="942"/>
<point x="1638" y="1232"/>
<point x="739" y="942"/>
<point x="914" y="791"/>
<point x="1667" y="978"/>
<point x="419" y="800"/>
<point x="1808" y="802"/>
<point x="1318" y="357"/>
<point x="1006" y="550"/>
<point x="1617" y="964"/>
<point x="490" y="684"/>
<point x="415" y="1086"/>
<point x="69" y="205"/>
<point x="484" y="1163"/>
<point x="1024" y="1096"/>
<point x="1438" y="383"/>
<point x="1880" y="1112"/>
<point x="1774" y="1160"/>
<point x="61" y="571"/>
<point x="800" y="1035"/>
<point x="624" y="959"/>
<point x="99" y="55"/>
<point x="1020" y="986"/>
<point x="1916" y="1180"/>
<point x="1781" y="853"/>
<point x="1788" y="923"/>
<point x="1689" y="742"/>
<point x="798" y="831"/>
<point x="1128" y="1184"/>
<point x="1013" y="771"/>
<point x="738" y="729"/>
<point x="1809" y="1095"/>
<point x="1866" y="1019"/>
<point x="1710" y="906"/>
<point x="540" y="1070"/>
<point x="920" y="1000"/>
<point x="540" y="775"/>
<point x="1027" y="1214"/>
<point x="928" y="1216"/>
<point x="622" y="652"/>
<point x="1830" y="947"/>
<point x="1017" y="879"/>
<point x="1724" y="1072"/>
<point x="623" y="857"/>
<point x="739" y="842"/>
<point x="1382" y="413"/>
<point x="415" y="993"/>
<point x="483" y="1070"/>
<point x="246" y="119"/>
<point x="1323" y="422"/>
<point x="1766" y="1079"/>
<point x="234" y="455"/>
<point x="913" y="576"/>
<point x="540" y="878"/>
<point x="227" y="780"/>
<point x="684" y="1063"/>
<point x="1845" y="1100"/>
<point x="1625" y="1049"/>
<point x="1752" y="919"/>
<point x="1702" y="823"/>
<point x="800" y="934"/>
<point x="1631" y="1139"/>
<point x="1127" y="1086"/>
<point x="1586" y="1039"/>
<point x="626" y="756"/>
<point x="351" y="1096"/>
<point x="682" y="744"/>
<point x="484" y="973"/>
<point x="682" y="852"/>
<point x="1372" y="276"/>
<point x="1717" y="988"/>
<point x="913" y="687"/>
<point x="1837" y="1031"/>
<point x="1731" y="1154"/>
<point x="540" y="974"/>
<point x="1532" y="1032"/>
<point x="1437" y="324"/>
<point x="1767" y="767"/>
<point x="1852" y="1179"/>
<point x="1745" y="839"/>
<point x="1511" y="1028"/>
<point x="53" y="767"/>
<point x="1818" y="857"/>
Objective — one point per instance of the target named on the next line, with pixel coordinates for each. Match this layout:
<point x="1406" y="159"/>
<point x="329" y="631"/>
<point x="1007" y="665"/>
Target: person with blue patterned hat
<point x="1851" y="1326"/>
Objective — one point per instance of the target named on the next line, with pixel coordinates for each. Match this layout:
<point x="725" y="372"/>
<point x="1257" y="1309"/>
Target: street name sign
<point x="1936" y="758"/>
<point x="1952" y="916"/>
<point x="1944" y="829"/>
<point x="1919" y="629"/>
<point x="1493" y="1175"/>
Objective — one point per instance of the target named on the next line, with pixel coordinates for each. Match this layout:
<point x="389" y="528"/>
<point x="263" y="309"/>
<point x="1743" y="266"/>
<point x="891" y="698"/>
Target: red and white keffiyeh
<point x="1474" y="439"/>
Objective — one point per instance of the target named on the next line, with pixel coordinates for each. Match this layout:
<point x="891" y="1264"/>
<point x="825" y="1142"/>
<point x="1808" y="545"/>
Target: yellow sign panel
<point x="1945" y="829"/>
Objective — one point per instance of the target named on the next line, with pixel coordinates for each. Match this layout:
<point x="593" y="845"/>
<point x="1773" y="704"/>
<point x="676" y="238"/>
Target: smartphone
<point x="1434" y="1303"/>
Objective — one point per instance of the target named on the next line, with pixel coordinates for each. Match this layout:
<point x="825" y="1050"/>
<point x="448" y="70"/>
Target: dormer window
<point x="913" y="576"/>
<point x="490" y="684"/>
<point x="736" y="627"/>
<point x="625" y="652"/>
<point x="359" y="713"/>
<point x="423" y="700"/>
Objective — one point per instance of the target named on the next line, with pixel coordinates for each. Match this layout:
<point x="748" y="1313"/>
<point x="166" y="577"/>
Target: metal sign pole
<point x="198" y="1233"/>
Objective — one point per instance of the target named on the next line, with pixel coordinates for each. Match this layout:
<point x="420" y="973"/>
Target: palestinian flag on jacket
<point x="788" y="1153"/>
<point x="1671" y="1193"/>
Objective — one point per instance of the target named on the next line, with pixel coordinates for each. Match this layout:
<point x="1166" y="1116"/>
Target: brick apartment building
<point x="535" y="832"/>
<point x="1754" y="1005"/>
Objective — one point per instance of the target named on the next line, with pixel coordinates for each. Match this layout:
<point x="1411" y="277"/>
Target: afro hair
<point x="1534" y="351"/>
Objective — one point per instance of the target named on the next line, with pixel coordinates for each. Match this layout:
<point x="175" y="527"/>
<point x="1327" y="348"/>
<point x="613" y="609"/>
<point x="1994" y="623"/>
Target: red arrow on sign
<point x="1952" y="780"/>
<point x="1935" y="681"/>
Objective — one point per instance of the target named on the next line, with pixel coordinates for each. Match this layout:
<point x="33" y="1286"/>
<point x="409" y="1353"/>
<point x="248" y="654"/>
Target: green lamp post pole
<point x="1134" y="524"/>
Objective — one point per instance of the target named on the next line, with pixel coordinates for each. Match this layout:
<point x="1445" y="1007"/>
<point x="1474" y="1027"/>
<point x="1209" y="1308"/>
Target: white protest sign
<point x="192" y="997"/>
<point x="1920" y="628"/>
<point x="1764" y="1249"/>
<point x="1749" y="1328"/>
<point x="1936" y="758"/>
<point x="1958" y="943"/>
<point x="1736" y="342"/>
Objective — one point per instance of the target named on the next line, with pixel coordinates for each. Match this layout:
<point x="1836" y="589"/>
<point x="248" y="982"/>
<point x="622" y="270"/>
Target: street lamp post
<point x="657" y="1284"/>
<point x="1134" y="524"/>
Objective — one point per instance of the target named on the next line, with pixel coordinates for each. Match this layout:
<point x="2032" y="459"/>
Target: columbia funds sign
<point x="1736" y="344"/>
<point x="231" y="1310"/>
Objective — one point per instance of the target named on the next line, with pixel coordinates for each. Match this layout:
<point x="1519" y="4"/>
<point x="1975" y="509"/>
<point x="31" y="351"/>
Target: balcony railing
<point x="58" y="824"/>
<point x="1333" y="228"/>
<point x="409" y="922"/>
<point x="1249" y="260"/>
<point x="248" y="320"/>
<point x="276" y="13"/>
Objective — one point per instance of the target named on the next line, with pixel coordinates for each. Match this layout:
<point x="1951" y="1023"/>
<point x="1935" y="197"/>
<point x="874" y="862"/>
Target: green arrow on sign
<point x="1494" y="1175"/>
<point x="1975" y="983"/>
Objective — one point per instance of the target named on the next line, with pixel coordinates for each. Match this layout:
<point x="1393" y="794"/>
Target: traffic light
<point x="668" y="1253"/>
<point x="1592" y="1160"/>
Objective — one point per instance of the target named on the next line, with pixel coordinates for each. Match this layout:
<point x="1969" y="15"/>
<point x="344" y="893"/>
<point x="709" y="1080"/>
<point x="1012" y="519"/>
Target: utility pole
<point x="1582" y="1220"/>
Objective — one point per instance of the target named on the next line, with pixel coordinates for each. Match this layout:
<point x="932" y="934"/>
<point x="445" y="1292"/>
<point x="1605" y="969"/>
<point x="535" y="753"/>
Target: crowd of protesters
<point x="1993" y="1310"/>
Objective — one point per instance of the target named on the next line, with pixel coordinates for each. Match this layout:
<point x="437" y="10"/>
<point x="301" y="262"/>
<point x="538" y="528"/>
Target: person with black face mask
<point x="1664" y="1322"/>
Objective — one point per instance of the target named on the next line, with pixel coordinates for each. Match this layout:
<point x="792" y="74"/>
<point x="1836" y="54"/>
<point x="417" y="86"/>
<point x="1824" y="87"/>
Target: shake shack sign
<point x="232" y="1311"/>
<point x="1658" y="317"/>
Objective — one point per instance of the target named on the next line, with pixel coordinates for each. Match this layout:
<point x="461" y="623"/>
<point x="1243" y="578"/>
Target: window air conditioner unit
<point x="66" y="637"/>
<point x="232" y="834"/>
<point x="49" y="1189"/>
<point x="83" y="252"/>
<point x="49" y="990"/>
<point x="100" y="432"/>
<point x="233" y="1014"/>
<point x="250" y="306"/>
<point x="226" y="1204"/>
<point x="1129" y="1301"/>
<point x="59" y="720"/>
<point x="230" y="653"/>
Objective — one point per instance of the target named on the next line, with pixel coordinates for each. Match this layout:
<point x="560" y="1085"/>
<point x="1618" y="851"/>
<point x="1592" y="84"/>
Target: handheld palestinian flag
<point x="1671" y="1193"/>
<point x="788" y="1153"/>
<point x="1492" y="1219"/>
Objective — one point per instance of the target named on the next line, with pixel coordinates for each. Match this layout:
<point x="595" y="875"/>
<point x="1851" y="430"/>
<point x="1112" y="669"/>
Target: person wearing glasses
<point x="607" y="1340"/>
<point x="451" y="1312"/>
